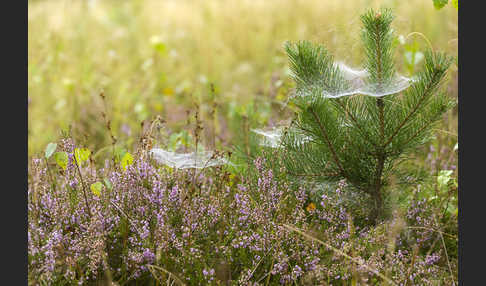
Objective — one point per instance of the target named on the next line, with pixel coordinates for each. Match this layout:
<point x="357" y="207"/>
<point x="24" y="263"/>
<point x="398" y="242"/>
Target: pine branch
<point x="313" y="68"/>
<point x="416" y="134"/>
<point x="433" y="112"/>
<point x="356" y="123"/>
<point x="425" y="95"/>
<point x="377" y="36"/>
<point x="436" y="65"/>
<point x="378" y="55"/>
<point x="331" y="148"/>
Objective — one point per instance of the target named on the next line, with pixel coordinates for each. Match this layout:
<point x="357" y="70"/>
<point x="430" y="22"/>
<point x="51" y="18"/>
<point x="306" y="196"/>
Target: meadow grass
<point x="159" y="58"/>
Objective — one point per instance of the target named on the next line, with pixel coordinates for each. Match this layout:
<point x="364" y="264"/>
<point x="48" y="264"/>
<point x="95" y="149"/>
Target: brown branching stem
<point x="83" y="185"/>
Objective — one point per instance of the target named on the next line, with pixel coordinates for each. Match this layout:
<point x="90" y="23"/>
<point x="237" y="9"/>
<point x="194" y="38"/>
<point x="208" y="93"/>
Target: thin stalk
<point x="83" y="185"/>
<point x="174" y="277"/>
<point x="292" y="228"/>
<point x="447" y="258"/>
<point x="50" y="175"/>
<point x="424" y="37"/>
<point x="377" y="189"/>
<point x="415" y="251"/>
<point x="108" y="126"/>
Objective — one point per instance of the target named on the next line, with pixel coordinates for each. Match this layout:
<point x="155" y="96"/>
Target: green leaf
<point x="439" y="3"/>
<point x="119" y="153"/>
<point x="81" y="155"/>
<point x="126" y="160"/>
<point x="96" y="188"/>
<point x="455" y="3"/>
<point x="107" y="183"/>
<point x="51" y="147"/>
<point x="61" y="159"/>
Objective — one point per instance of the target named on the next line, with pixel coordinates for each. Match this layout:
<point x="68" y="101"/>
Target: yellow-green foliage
<point x="158" y="57"/>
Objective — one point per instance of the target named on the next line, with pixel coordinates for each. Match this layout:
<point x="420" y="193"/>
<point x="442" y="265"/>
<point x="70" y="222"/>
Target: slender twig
<point x="270" y="272"/>
<point x="121" y="211"/>
<point x="213" y="156"/>
<point x="108" y="125"/>
<point x="50" y="175"/>
<point x="260" y="261"/>
<point x="168" y="272"/>
<point x="82" y="184"/>
<point x="447" y="258"/>
<point x="411" y="264"/>
<point x="156" y="276"/>
<point x="341" y="253"/>
<point x="428" y="228"/>
<point x="423" y="36"/>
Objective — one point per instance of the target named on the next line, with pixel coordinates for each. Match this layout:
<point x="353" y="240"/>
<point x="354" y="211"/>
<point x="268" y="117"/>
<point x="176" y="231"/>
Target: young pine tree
<point x="361" y="134"/>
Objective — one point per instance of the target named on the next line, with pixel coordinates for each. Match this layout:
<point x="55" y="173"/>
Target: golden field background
<point x="160" y="57"/>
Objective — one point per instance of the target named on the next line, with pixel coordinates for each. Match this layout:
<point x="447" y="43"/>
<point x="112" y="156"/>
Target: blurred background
<point x="223" y="59"/>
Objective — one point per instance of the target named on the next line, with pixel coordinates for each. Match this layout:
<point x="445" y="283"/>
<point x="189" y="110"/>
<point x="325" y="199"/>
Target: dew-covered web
<point x="193" y="160"/>
<point x="357" y="83"/>
<point x="272" y="137"/>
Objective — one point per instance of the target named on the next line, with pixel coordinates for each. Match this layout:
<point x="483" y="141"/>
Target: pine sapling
<point x="355" y="125"/>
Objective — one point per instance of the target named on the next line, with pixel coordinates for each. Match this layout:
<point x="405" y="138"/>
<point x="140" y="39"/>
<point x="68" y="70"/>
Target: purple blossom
<point x="189" y="224"/>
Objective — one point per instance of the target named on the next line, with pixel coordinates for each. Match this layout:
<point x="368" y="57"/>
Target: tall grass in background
<point x="162" y="57"/>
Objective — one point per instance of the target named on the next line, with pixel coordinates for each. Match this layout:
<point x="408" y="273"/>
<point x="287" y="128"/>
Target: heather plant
<point x="360" y="125"/>
<point x="146" y="224"/>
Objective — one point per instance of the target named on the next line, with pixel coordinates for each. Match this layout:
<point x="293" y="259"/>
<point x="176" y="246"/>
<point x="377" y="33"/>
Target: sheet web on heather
<point x="192" y="160"/>
<point x="272" y="137"/>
